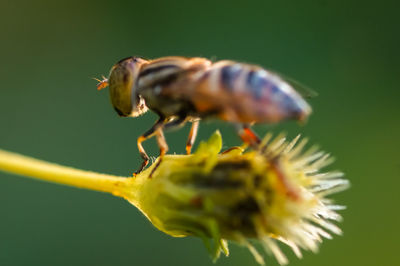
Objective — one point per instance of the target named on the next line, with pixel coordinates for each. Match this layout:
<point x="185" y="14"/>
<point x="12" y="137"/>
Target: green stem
<point x="26" y="166"/>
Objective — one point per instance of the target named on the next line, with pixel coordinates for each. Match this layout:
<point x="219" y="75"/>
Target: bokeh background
<point x="348" y="51"/>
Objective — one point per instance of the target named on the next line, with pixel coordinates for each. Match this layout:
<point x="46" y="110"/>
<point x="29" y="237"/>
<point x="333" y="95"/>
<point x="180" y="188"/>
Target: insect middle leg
<point x="192" y="134"/>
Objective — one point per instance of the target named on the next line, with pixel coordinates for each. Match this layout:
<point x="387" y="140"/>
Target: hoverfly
<point x="181" y="89"/>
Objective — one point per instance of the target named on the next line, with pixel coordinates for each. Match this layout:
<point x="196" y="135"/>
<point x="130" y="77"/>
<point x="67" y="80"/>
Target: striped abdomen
<point x="248" y="93"/>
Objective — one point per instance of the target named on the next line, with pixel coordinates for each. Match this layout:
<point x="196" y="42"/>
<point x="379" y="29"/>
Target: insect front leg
<point x="162" y="143"/>
<point x="248" y="136"/>
<point x="192" y="136"/>
<point x="160" y="122"/>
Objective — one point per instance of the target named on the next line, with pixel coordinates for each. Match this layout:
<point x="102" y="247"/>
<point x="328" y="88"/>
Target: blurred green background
<point x="50" y="109"/>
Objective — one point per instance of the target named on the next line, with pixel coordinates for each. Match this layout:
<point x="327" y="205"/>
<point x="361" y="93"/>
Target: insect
<point x="181" y="89"/>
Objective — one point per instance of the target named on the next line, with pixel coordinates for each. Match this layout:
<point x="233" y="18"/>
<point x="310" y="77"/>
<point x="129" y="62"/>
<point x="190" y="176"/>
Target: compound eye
<point x="122" y="83"/>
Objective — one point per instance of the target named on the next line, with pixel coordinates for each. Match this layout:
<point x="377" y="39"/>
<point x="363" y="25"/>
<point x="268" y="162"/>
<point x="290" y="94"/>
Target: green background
<point x="50" y="109"/>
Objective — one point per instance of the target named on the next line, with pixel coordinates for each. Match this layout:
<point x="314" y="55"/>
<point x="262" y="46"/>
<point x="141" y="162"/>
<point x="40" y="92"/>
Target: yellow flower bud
<point x="275" y="194"/>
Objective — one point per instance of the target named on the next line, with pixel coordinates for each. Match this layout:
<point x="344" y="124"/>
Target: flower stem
<point x="26" y="166"/>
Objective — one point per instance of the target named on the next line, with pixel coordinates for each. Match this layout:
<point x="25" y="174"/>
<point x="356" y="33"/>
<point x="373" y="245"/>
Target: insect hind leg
<point x="248" y="136"/>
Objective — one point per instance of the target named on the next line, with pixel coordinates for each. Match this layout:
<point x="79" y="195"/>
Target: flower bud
<point x="274" y="194"/>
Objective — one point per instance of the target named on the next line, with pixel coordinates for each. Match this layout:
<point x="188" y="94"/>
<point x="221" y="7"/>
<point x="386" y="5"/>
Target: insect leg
<point x="144" y="137"/>
<point x="162" y="143"/>
<point x="192" y="136"/>
<point x="248" y="136"/>
<point x="175" y="123"/>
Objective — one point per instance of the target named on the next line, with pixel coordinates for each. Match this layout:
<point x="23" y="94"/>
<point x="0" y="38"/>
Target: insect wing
<point x="302" y="89"/>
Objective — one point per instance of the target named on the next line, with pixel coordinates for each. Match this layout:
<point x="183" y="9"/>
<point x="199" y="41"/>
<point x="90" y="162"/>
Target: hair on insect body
<point x="181" y="89"/>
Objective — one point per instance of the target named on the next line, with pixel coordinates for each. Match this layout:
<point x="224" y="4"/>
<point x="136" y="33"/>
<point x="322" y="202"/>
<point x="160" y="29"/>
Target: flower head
<point x="276" y="194"/>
